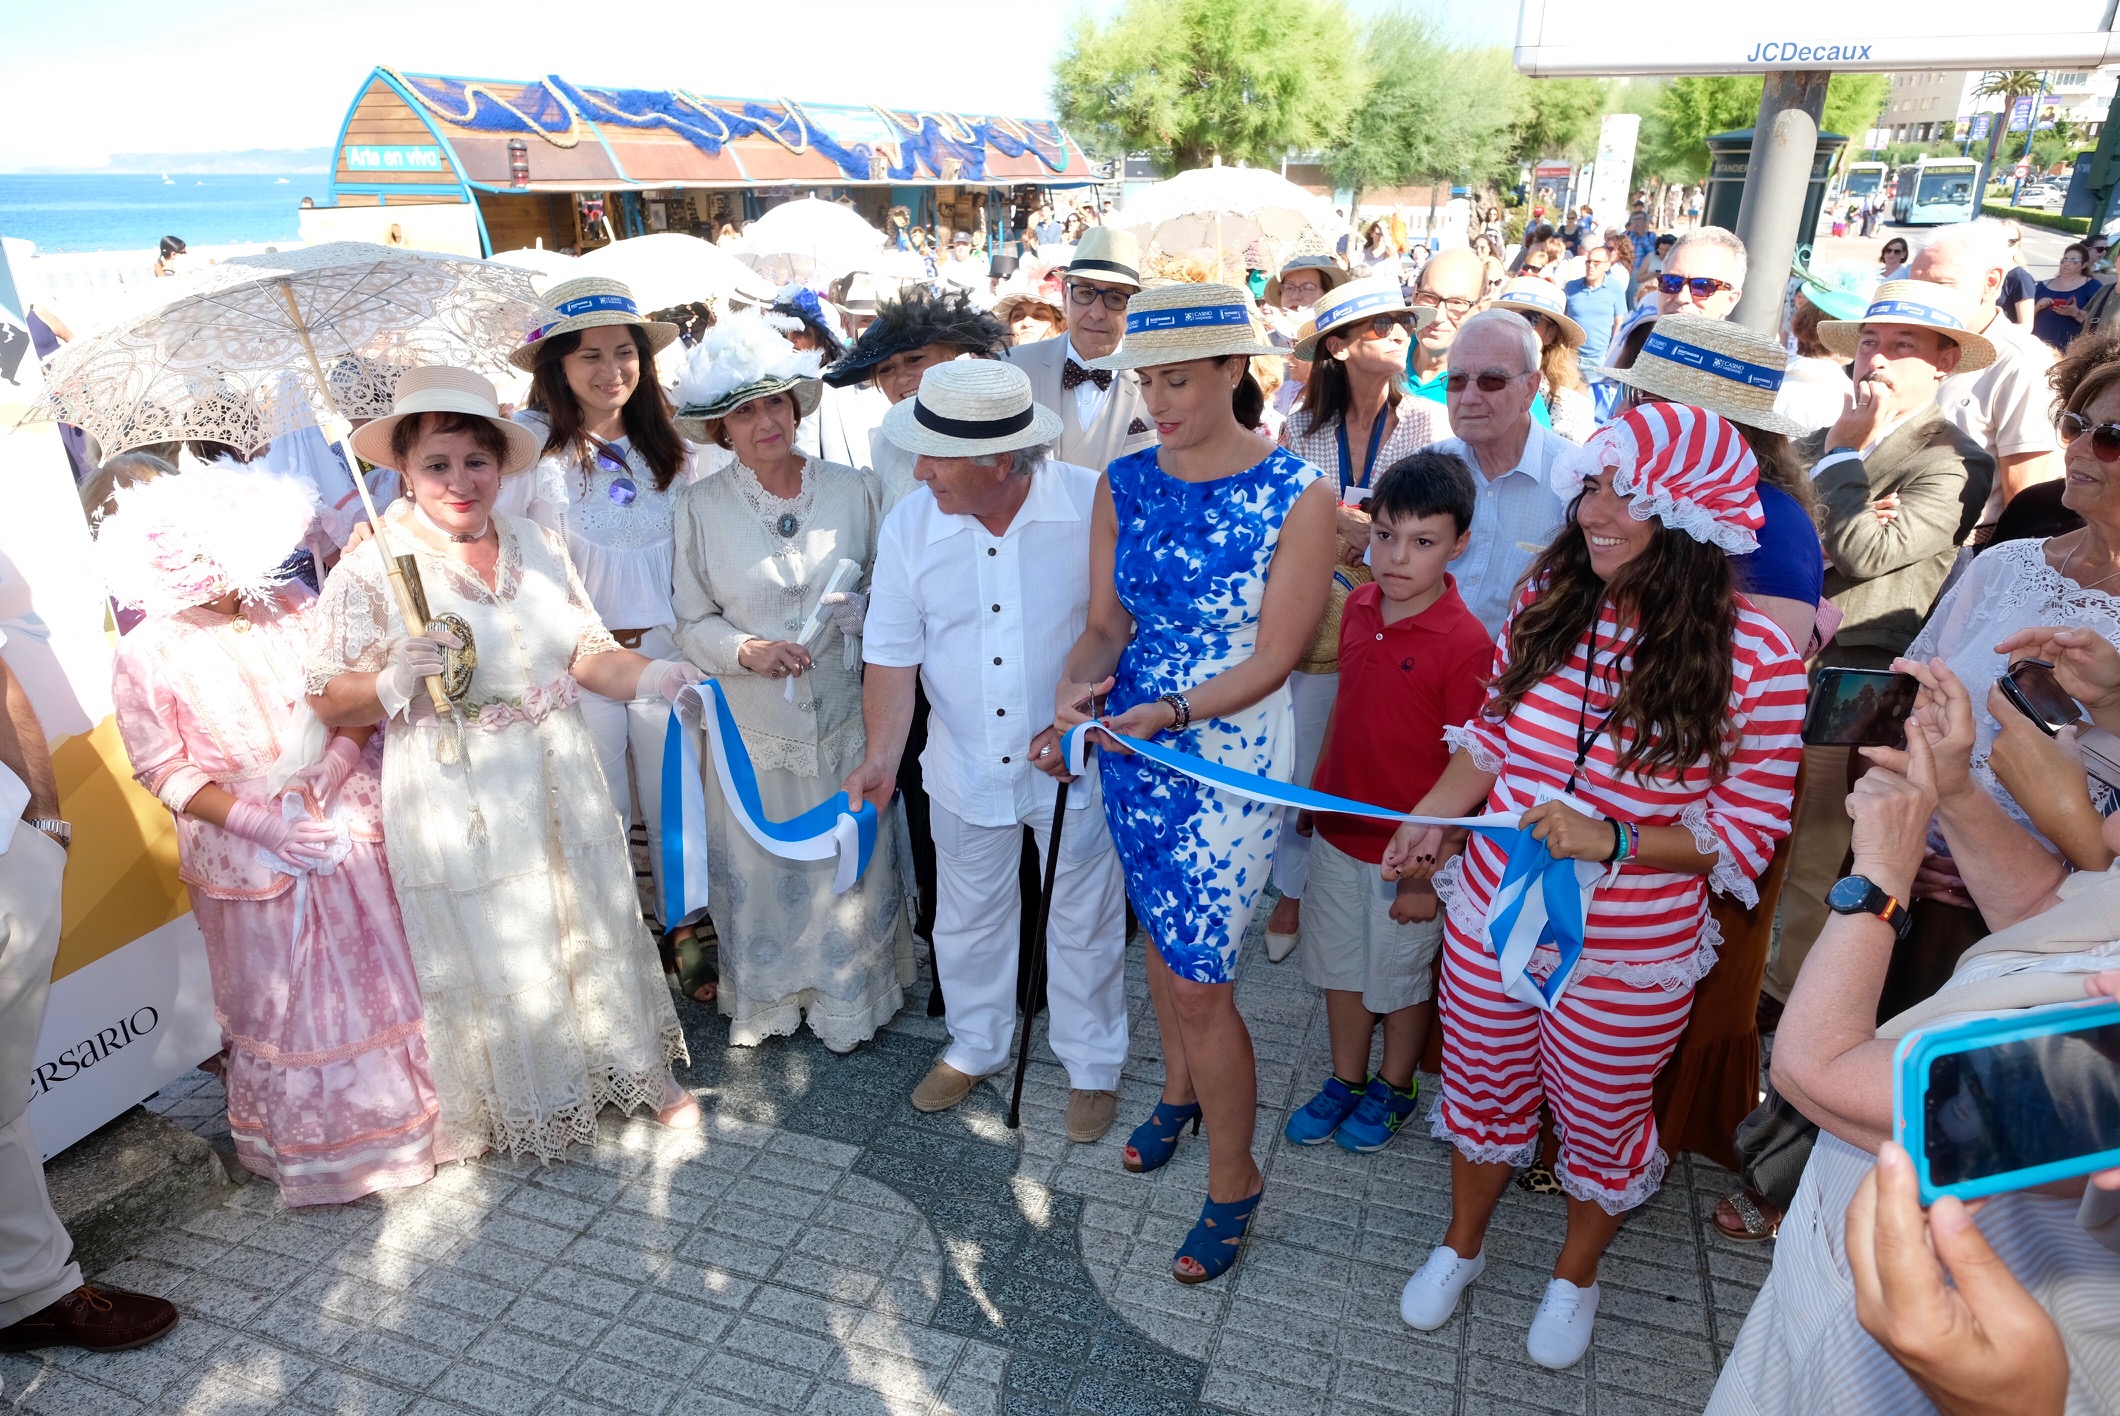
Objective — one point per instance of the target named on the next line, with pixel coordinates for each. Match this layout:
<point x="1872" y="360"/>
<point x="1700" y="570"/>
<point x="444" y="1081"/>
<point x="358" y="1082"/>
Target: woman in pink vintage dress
<point x="278" y="833"/>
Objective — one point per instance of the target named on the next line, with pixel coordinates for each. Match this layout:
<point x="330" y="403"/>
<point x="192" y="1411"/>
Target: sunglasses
<point x="1381" y="326"/>
<point x="1702" y="286"/>
<point x="2105" y="437"/>
<point x="1088" y="295"/>
<point x="622" y="489"/>
<point x="1489" y="383"/>
<point x="1454" y="307"/>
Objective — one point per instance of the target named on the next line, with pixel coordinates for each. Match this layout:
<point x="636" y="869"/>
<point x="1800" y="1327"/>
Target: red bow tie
<point x="1073" y="375"/>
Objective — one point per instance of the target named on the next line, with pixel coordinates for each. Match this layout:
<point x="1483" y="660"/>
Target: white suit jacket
<point x="1121" y="426"/>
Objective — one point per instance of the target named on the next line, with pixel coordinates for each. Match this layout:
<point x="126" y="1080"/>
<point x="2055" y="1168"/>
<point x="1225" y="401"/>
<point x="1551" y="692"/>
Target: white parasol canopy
<point x="809" y="242"/>
<point x="1221" y="210"/>
<point x="547" y="267"/>
<point x="668" y="269"/>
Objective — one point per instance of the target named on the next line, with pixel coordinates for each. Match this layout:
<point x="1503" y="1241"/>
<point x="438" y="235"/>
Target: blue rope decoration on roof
<point x="497" y="108"/>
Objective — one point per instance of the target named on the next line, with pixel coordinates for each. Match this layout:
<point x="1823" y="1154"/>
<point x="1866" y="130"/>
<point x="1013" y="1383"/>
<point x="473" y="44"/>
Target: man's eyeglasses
<point x="1452" y="306"/>
<point x="2105" y="437"/>
<point x="1702" y="286"/>
<point x="1488" y="383"/>
<point x="1088" y="295"/>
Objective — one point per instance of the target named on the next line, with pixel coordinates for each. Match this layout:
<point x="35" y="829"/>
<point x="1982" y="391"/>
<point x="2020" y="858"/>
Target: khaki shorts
<point x="1351" y="942"/>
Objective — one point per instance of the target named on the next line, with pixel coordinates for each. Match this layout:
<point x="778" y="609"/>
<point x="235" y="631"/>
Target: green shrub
<point x="2033" y="216"/>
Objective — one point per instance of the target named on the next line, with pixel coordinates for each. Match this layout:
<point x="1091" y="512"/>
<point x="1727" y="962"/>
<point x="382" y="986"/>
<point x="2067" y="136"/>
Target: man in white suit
<point x="1101" y="413"/>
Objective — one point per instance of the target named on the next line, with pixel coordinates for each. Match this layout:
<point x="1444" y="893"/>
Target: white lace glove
<point x="848" y="609"/>
<point x="412" y="659"/>
<point x="667" y="677"/>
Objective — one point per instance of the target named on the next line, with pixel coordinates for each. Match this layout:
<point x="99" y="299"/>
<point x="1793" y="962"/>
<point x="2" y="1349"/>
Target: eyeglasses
<point x="1702" y="286"/>
<point x="1088" y="295"/>
<point x="1489" y="383"/>
<point x="1382" y="325"/>
<point x="2105" y="437"/>
<point x="1452" y="306"/>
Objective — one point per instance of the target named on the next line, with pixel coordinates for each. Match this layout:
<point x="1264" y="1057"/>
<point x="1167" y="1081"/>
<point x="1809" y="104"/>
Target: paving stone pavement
<point x="820" y="1247"/>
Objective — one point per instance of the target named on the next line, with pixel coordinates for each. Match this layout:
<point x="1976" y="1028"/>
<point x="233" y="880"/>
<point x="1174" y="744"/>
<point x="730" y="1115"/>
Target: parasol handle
<point x="407" y="603"/>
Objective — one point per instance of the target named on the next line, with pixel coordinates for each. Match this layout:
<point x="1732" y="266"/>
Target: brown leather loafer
<point x="1089" y="1115"/>
<point x="943" y="1087"/>
<point x="97" y="1318"/>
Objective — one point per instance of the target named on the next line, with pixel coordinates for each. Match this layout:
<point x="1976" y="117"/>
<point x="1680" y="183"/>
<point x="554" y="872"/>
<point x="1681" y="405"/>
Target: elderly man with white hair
<point x="980" y="589"/>
<point x="1490" y="388"/>
<point x="2005" y="407"/>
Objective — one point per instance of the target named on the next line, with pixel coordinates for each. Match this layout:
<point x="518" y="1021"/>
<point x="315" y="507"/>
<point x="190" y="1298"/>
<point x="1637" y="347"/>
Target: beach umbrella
<point x="809" y="242"/>
<point x="668" y="269"/>
<point x="1221" y="210"/>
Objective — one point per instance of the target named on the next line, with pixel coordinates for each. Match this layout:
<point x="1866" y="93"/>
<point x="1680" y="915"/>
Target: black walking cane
<point x="1037" y="974"/>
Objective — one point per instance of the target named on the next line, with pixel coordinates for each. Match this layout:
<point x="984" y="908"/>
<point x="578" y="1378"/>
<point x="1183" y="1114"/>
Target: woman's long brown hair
<point x="649" y="426"/>
<point x="1680" y="599"/>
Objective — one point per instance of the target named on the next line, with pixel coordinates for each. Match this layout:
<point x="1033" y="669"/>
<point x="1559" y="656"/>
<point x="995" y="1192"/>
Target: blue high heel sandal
<point x="1216" y="1239"/>
<point x="1155" y="1140"/>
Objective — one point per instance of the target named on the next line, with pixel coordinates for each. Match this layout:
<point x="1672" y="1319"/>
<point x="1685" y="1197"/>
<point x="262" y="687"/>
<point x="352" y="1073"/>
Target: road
<point x="2042" y="248"/>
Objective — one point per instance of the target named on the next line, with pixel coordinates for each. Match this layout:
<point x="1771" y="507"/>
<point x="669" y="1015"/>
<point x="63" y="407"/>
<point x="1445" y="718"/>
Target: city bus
<point x="1863" y="179"/>
<point x="1936" y="191"/>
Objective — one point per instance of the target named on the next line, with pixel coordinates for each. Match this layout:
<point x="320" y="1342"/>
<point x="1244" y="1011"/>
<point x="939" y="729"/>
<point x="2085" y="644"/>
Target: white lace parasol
<point x="264" y="345"/>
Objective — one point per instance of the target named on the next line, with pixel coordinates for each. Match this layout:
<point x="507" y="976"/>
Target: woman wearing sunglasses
<point x="1355" y="420"/>
<point x="611" y="467"/>
<point x="1892" y="260"/>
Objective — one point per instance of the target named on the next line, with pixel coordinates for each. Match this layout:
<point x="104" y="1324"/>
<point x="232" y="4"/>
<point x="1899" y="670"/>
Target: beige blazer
<point x="1104" y="441"/>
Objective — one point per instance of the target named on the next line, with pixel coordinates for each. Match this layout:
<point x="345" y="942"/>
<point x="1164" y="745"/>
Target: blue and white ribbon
<point x="1886" y="311"/>
<point x="1677" y="351"/>
<point x="1541" y="900"/>
<point x="1186" y="317"/>
<point x="591" y="304"/>
<point x="834" y="829"/>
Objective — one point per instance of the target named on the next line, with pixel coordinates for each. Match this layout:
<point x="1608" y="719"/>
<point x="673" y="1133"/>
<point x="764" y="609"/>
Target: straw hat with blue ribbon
<point x="1713" y="364"/>
<point x="1354" y="302"/>
<point x="574" y="305"/>
<point x="1528" y="295"/>
<point x="1921" y="303"/>
<point x="1170" y="324"/>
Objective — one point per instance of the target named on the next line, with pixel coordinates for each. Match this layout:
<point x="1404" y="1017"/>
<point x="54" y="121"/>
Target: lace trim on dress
<point x="1727" y="876"/>
<point x="1631" y="1196"/>
<point x="266" y="1052"/>
<point x="1449" y="886"/>
<point x="1670" y="975"/>
<point x="1479" y="1152"/>
<point x="769" y="508"/>
<point x="1467" y="738"/>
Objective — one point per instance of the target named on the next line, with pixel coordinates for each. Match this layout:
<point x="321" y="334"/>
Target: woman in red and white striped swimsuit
<point x="1642" y="714"/>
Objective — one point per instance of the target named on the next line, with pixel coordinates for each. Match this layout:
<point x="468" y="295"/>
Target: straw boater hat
<point x="1713" y="364"/>
<point x="971" y="408"/>
<point x="586" y="303"/>
<point x="1350" y="304"/>
<point x="1921" y="303"/>
<point x="742" y="359"/>
<point x="439" y="388"/>
<point x="1173" y="323"/>
<point x="1528" y="295"/>
<point x="1108" y="256"/>
<point x="1330" y="273"/>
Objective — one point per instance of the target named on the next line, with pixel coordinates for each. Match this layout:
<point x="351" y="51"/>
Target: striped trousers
<point x="1592" y="1060"/>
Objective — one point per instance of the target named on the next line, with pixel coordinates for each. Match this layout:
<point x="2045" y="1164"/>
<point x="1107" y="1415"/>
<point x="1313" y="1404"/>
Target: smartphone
<point x="2031" y="686"/>
<point x="1859" y="708"/>
<point x="1992" y="1103"/>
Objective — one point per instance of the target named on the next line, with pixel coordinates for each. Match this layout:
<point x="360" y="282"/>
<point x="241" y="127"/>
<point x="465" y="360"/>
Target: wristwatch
<point x="52" y="826"/>
<point x="1857" y="894"/>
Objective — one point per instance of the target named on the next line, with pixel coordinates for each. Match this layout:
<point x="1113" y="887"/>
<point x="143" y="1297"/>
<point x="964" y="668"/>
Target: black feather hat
<point x="917" y="318"/>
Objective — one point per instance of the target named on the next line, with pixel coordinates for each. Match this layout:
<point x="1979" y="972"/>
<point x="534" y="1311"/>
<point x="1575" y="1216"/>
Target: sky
<point x="86" y="78"/>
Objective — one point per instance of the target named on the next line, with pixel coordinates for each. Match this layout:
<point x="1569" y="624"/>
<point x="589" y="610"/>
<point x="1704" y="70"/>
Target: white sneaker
<point x="1560" y="1333"/>
<point x="1431" y="1295"/>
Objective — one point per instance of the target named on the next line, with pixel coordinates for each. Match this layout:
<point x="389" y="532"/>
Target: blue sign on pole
<point x="1981" y="121"/>
<point x="2021" y="115"/>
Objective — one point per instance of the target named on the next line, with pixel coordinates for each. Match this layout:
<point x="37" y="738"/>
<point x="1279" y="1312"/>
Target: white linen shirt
<point x="1514" y="517"/>
<point x="988" y="620"/>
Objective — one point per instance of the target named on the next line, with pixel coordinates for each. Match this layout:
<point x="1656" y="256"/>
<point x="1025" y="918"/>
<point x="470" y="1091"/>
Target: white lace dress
<point x="790" y="948"/>
<point x="543" y="994"/>
<point x="2008" y="587"/>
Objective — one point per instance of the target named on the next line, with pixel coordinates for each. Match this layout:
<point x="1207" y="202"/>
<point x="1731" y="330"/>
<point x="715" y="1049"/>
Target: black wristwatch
<point x="1858" y="894"/>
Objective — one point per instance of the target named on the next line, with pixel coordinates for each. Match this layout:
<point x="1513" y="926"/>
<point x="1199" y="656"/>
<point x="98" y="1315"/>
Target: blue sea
<point x="122" y="212"/>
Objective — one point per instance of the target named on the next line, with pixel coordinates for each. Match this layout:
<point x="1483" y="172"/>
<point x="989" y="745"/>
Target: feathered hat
<point x="806" y="309"/>
<point x="183" y="540"/>
<point x="741" y="359"/>
<point x="919" y="318"/>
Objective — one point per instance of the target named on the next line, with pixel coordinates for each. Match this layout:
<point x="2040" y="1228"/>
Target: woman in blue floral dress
<point x="1210" y="559"/>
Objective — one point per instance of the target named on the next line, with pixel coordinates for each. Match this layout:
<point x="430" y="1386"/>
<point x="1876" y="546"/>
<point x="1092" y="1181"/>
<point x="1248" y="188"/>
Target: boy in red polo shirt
<point x="1413" y="661"/>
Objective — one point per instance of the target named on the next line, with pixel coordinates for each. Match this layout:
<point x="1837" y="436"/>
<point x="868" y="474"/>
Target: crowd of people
<point x="1539" y="535"/>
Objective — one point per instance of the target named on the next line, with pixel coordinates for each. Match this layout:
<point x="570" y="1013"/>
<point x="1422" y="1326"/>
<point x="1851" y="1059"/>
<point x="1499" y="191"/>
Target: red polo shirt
<point x="1400" y="686"/>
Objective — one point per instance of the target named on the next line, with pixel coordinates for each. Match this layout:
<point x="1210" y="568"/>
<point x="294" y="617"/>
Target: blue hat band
<point x="1186" y="317"/>
<point x="591" y="304"/>
<point x="1888" y="310"/>
<point x="1537" y="300"/>
<point x="1361" y="305"/>
<point x="1708" y="361"/>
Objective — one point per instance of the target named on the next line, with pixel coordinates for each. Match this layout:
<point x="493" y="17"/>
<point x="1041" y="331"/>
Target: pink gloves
<point x="324" y="777"/>
<point x="304" y="841"/>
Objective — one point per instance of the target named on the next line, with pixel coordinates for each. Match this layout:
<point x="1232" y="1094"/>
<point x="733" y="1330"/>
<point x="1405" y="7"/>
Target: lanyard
<point x="1586" y="732"/>
<point x="1376" y="440"/>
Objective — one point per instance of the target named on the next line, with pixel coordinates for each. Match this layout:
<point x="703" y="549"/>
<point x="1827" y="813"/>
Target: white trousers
<point x="978" y="908"/>
<point x="1311" y="695"/>
<point x="36" y="1257"/>
<point x="630" y="734"/>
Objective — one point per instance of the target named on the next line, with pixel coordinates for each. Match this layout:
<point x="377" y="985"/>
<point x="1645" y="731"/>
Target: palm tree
<point x="2009" y="85"/>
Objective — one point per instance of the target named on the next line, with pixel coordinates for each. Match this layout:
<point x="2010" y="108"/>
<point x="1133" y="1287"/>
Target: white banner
<point x="1609" y="195"/>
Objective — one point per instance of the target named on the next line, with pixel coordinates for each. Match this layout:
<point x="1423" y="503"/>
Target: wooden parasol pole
<point x="408" y="604"/>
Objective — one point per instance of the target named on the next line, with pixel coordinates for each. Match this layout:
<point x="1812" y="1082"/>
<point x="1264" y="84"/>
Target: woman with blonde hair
<point x="1561" y="388"/>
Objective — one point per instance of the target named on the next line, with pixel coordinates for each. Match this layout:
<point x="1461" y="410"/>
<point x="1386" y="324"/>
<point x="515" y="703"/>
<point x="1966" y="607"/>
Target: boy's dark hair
<point x="1427" y="483"/>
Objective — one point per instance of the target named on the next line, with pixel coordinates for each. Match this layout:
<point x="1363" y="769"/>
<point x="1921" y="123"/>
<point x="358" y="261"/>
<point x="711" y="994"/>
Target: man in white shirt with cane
<point x="980" y="586"/>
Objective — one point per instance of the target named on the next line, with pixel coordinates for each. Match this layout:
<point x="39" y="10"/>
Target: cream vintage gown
<point x="544" y="996"/>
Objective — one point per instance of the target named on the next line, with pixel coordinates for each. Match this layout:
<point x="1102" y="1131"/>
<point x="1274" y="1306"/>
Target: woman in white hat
<point x="612" y="465"/>
<point x="544" y="999"/>
<point x="1561" y="388"/>
<point x="757" y="546"/>
<point x="1353" y="422"/>
<point x="1216" y="548"/>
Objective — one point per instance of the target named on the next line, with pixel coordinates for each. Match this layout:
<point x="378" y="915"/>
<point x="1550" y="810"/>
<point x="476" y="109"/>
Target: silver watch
<point x="52" y="826"/>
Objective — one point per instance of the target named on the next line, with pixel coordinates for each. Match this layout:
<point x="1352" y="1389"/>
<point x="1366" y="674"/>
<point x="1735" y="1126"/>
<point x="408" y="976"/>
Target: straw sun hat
<point x="1173" y="323"/>
<point x="1528" y="295"/>
<point x="439" y="388"/>
<point x="1713" y="364"/>
<point x="1352" y="303"/>
<point x="574" y="305"/>
<point x="1921" y="303"/>
<point x="971" y="408"/>
<point x="1331" y="274"/>
<point x="1108" y="256"/>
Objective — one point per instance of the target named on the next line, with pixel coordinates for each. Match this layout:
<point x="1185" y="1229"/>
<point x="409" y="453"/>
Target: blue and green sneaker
<point x="1322" y="1114"/>
<point x="1377" y="1117"/>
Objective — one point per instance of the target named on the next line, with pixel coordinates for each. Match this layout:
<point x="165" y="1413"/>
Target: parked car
<point x="2042" y="195"/>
